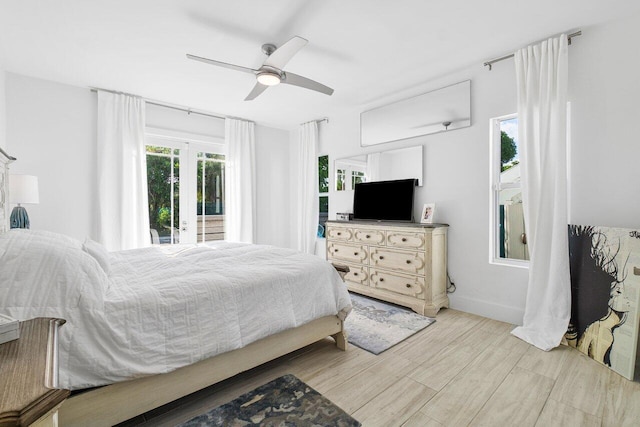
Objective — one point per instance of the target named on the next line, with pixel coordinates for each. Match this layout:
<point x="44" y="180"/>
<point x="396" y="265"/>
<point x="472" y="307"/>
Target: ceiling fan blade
<point x="296" y="80"/>
<point x="222" y="64"/>
<point x="279" y="58"/>
<point x="257" y="90"/>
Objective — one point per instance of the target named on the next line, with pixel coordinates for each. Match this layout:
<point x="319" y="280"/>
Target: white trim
<point x="173" y="135"/>
<point x="503" y="313"/>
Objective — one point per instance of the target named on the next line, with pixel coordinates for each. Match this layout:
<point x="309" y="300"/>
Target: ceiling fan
<point x="271" y="72"/>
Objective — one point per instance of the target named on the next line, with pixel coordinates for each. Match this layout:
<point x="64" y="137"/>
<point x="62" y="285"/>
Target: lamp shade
<point x="23" y="189"/>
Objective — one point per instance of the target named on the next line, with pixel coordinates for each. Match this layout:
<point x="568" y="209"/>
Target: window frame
<point x="326" y="193"/>
<point x="495" y="187"/>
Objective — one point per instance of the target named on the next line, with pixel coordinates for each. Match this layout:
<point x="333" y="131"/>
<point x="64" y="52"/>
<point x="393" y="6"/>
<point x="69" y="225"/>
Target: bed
<point x="155" y="324"/>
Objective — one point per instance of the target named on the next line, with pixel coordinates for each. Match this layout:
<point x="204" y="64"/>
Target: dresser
<point x="405" y="264"/>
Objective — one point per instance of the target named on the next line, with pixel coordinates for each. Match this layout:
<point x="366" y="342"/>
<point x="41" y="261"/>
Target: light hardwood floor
<point x="462" y="370"/>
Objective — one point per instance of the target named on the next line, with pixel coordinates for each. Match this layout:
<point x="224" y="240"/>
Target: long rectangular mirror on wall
<point x="440" y="110"/>
<point x="403" y="163"/>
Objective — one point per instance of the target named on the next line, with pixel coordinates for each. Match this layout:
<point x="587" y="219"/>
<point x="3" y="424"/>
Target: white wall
<point x="604" y="93"/>
<point x="3" y="110"/>
<point x="605" y="148"/>
<point x="52" y="132"/>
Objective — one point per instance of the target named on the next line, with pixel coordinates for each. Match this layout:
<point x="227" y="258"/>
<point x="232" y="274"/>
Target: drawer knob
<point x="408" y="285"/>
<point x="404" y="239"/>
<point x="335" y="250"/>
<point x="382" y="279"/>
<point x="381" y="257"/>
<point x="355" y="253"/>
<point x="339" y="234"/>
<point x="355" y="274"/>
<point x="367" y="236"/>
<point x="408" y="261"/>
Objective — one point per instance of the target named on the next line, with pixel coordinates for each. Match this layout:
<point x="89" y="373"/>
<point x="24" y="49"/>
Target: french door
<point x="186" y="190"/>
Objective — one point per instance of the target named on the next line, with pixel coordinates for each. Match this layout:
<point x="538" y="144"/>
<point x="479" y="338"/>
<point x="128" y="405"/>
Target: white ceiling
<point x="364" y="49"/>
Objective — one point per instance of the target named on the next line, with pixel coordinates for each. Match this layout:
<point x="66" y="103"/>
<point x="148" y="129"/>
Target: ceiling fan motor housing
<point x="269" y="76"/>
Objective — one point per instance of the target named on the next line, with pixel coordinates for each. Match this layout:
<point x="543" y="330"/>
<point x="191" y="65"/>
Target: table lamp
<point x="22" y="189"/>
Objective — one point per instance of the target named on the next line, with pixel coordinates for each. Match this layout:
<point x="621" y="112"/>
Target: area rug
<point x="285" y="402"/>
<point x="376" y="326"/>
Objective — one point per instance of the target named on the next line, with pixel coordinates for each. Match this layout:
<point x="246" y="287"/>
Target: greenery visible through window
<point x="340" y="179"/>
<point x="323" y="189"/>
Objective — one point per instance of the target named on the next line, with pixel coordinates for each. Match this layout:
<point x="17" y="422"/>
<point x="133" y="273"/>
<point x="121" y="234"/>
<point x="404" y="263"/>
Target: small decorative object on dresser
<point x="344" y="216"/>
<point x="428" y="211"/>
<point x="401" y="263"/>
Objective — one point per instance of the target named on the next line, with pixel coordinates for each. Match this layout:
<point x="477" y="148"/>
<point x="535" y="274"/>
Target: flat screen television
<point x="384" y="200"/>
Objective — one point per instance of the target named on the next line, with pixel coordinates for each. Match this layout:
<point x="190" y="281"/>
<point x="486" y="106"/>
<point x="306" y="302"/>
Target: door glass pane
<point x="210" y="197"/>
<point x="163" y="181"/>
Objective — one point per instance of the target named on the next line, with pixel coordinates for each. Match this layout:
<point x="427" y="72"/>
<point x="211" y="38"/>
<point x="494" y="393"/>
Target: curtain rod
<point x="161" y="104"/>
<point x="326" y="120"/>
<point x="11" y="158"/>
<point x="502" y="58"/>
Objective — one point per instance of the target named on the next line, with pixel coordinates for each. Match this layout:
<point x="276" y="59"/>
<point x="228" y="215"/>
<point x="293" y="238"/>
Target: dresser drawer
<point x="358" y="275"/>
<point x="407" y="240"/>
<point x="398" y="283"/>
<point x="339" y="233"/>
<point x="372" y="237"/>
<point x="404" y="261"/>
<point x="347" y="252"/>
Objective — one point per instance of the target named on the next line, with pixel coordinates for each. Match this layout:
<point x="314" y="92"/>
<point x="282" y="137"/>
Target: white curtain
<point x="541" y="73"/>
<point x="123" y="210"/>
<point x="307" y="209"/>
<point x="373" y="167"/>
<point x="240" y="181"/>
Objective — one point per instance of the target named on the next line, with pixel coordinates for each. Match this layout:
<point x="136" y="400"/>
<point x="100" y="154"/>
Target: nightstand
<point x="29" y="373"/>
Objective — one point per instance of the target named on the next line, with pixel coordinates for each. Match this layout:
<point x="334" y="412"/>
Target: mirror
<point x="403" y="163"/>
<point x="441" y="110"/>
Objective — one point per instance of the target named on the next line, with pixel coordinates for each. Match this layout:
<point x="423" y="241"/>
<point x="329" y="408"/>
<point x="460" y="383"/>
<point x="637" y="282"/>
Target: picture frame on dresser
<point x="5" y="160"/>
<point x="428" y="212"/>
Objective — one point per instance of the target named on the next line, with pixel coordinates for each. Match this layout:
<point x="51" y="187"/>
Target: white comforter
<point x="160" y="309"/>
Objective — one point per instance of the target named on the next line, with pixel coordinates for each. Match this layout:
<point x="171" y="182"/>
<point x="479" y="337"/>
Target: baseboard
<point x="488" y="309"/>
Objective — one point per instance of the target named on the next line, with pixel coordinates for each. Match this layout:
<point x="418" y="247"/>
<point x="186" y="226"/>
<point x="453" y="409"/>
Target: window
<point x="341" y="176"/>
<point x="186" y="190"/>
<point x="356" y="178"/>
<point x="323" y="189"/>
<point x="509" y="241"/>
<point x="349" y="172"/>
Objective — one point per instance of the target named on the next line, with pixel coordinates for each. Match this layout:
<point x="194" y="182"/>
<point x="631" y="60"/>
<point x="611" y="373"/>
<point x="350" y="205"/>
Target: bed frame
<point x="112" y="404"/>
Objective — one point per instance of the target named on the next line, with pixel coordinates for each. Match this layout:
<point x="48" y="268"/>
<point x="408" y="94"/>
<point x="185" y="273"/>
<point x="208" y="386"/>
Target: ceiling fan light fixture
<point x="268" y="78"/>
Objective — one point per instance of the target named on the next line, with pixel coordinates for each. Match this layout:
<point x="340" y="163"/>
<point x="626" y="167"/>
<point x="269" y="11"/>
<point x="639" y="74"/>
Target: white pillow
<point x="99" y="252"/>
<point x="44" y="274"/>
